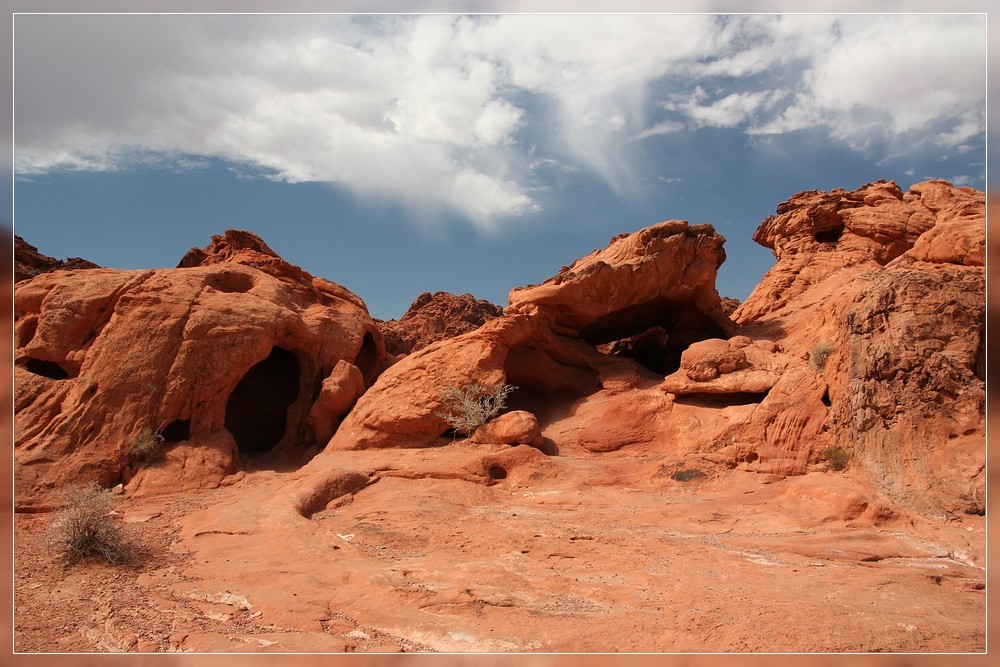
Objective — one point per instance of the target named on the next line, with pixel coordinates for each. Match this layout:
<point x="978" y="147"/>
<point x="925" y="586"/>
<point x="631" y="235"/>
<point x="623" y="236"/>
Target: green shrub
<point x="818" y="356"/>
<point x="147" y="447"/>
<point x="87" y="529"/>
<point x="836" y="458"/>
<point x="469" y="407"/>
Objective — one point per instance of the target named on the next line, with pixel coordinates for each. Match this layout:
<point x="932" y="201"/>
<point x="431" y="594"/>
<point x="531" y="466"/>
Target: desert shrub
<point x="818" y="356"/>
<point x="468" y="407"/>
<point x="836" y="458"/>
<point x="687" y="475"/>
<point x="147" y="447"/>
<point x="87" y="529"/>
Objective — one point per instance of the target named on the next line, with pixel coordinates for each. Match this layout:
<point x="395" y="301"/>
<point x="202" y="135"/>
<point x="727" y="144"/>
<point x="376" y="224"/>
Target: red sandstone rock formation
<point x="28" y="262"/>
<point x="867" y="335"/>
<point x="434" y="317"/>
<point x="892" y="286"/>
<point x="663" y="275"/>
<point x="222" y="359"/>
<point x="661" y="278"/>
<point x="897" y="389"/>
<point x="652" y="426"/>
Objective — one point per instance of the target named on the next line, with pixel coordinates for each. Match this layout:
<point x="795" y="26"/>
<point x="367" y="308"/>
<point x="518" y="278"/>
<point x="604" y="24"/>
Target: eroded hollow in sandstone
<point x="257" y="410"/>
<point x="368" y="358"/>
<point x="653" y="334"/>
<point x="720" y="401"/>
<point x="49" y="369"/>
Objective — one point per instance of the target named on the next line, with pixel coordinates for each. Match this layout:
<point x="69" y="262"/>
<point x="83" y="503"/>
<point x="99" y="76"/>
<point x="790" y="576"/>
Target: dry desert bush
<point x="86" y="528"/>
<point x="468" y="407"/>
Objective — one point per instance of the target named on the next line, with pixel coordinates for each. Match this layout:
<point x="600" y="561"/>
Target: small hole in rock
<point x="49" y="369"/>
<point x="177" y="430"/>
<point x="829" y="235"/>
<point x="496" y="472"/>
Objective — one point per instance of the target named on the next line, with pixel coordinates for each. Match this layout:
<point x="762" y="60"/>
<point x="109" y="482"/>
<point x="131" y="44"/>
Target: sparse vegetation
<point x="468" y="407"/>
<point x="147" y="447"/>
<point x="818" y="356"/>
<point x="836" y="458"/>
<point x="86" y="528"/>
<point x="687" y="475"/>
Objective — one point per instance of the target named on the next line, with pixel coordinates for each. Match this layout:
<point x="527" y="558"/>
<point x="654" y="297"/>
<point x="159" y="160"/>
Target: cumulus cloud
<point x="473" y="113"/>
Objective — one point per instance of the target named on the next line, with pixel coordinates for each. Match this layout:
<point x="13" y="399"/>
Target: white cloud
<point x="448" y="111"/>
<point x="728" y="111"/>
<point x="664" y="127"/>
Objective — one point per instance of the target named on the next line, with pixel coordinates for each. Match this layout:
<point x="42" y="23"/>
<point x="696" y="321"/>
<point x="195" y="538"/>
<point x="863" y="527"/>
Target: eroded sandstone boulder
<point x="518" y="427"/>
<point x="220" y="359"/>
<point x="817" y="234"/>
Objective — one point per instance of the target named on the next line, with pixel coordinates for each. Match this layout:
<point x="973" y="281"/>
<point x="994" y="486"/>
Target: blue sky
<point x="400" y="154"/>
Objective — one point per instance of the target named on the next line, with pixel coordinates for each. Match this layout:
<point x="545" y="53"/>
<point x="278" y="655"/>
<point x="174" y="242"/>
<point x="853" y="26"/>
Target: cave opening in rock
<point x="367" y="356"/>
<point x="49" y="369"/>
<point x="257" y="410"/>
<point x="829" y="235"/>
<point x="653" y="334"/>
<point x="177" y="430"/>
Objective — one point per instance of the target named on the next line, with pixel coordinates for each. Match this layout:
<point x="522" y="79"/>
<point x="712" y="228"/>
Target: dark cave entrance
<point x="367" y="356"/>
<point x="257" y="410"/>
<point x="49" y="369"/>
<point x="653" y="334"/>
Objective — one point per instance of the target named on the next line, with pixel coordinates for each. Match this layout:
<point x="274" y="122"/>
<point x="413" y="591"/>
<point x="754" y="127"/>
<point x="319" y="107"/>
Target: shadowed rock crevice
<point x="535" y="372"/>
<point x="49" y="369"/>
<point x="368" y="358"/>
<point x="177" y="430"/>
<point x="653" y="334"/>
<point x="257" y="410"/>
<point x="719" y="401"/>
<point x="830" y="236"/>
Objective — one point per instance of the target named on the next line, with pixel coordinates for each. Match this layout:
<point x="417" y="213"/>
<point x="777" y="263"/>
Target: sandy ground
<point x="565" y="554"/>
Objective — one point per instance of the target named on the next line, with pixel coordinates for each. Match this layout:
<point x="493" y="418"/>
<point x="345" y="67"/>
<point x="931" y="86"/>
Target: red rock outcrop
<point x="816" y="234"/>
<point x="659" y="279"/>
<point x="28" y="262"/>
<point x="222" y="360"/>
<point x="663" y="275"/>
<point x="434" y="317"/>
<point x="841" y="346"/>
<point x="887" y="291"/>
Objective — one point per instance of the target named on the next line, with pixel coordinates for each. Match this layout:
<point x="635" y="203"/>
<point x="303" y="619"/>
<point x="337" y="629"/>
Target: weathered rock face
<point x="28" y="262"/>
<point x="816" y="234"/>
<point x="890" y="287"/>
<point x="646" y="296"/>
<point x="434" y="317"/>
<point x="867" y="336"/>
<point x="661" y="276"/>
<point x="223" y="360"/>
